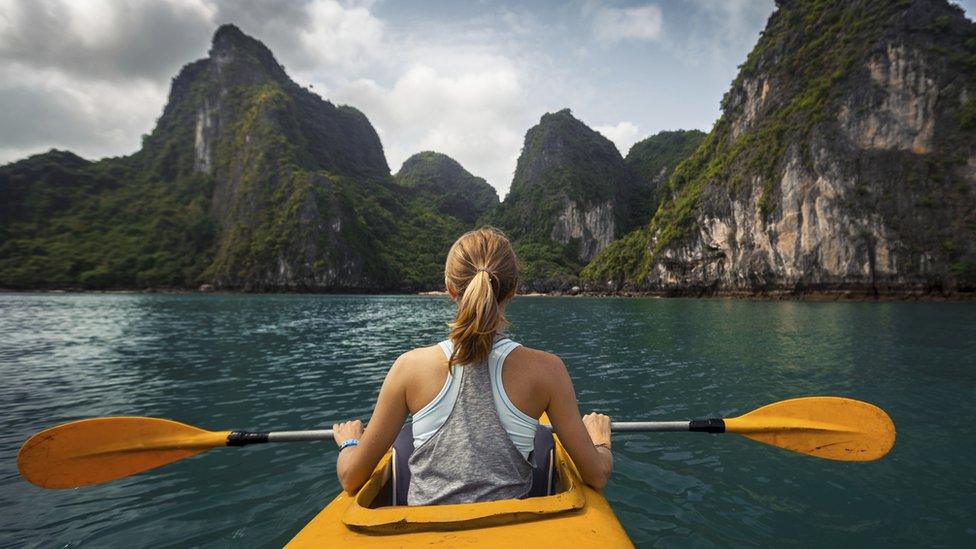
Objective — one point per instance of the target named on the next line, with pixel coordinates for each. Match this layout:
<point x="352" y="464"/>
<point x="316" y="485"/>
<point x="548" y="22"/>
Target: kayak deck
<point x="576" y="514"/>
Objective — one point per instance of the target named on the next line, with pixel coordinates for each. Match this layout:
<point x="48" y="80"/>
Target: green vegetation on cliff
<point x="70" y="222"/>
<point x="812" y="56"/>
<point x="660" y="154"/>
<point x="850" y="130"/>
<point x="653" y="160"/>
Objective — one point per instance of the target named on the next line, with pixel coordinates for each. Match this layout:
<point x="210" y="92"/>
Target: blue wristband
<point x="348" y="442"/>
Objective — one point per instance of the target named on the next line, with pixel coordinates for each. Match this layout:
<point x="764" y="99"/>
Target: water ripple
<point x="298" y="361"/>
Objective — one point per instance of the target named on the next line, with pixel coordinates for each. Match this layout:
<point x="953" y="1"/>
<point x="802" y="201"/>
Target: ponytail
<point x="481" y="270"/>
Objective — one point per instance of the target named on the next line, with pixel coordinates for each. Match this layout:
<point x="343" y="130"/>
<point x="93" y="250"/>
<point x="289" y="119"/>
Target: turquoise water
<point x="295" y="361"/>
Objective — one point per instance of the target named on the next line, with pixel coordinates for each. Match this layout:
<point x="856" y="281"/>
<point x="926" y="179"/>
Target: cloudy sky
<point x="464" y="78"/>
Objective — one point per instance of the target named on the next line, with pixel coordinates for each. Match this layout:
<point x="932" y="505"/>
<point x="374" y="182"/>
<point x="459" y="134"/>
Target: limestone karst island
<point x="843" y="163"/>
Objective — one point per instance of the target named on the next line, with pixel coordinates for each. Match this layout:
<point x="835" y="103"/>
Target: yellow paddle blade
<point x="97" y="450"/>
<point x="827" y="427"/>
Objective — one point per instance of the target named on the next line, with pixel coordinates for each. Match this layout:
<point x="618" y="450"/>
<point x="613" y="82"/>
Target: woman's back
<point x="471" y="443"/>
<point x="461" y="452"/>
<point x="475" y="398"/>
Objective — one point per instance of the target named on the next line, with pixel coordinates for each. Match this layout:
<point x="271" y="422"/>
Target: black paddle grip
<point x="714" y="425"/>
<point x="243" y="438"/>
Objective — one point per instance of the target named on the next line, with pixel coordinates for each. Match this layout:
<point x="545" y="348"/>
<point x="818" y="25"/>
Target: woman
<point x="474" y="397"/>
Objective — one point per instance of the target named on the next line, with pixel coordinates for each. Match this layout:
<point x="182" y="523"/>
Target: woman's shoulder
<point x="537" y="358"/>
<point x="421" y="357"/>
<point x="421" y="362"/>
<point x="420" y="373"/>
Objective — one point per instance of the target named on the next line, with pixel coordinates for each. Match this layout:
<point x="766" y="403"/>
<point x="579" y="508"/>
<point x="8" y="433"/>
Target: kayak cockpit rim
<point x="361" y="516"/>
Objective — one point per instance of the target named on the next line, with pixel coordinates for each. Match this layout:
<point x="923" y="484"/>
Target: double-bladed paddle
<point x="91" y="451"/>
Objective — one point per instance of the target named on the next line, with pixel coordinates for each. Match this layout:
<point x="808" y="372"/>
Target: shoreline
<point x="782" y="295"/>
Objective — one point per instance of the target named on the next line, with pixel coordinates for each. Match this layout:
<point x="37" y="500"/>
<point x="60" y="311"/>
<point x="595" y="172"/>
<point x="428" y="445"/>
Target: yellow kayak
<point x="575" y="514"/>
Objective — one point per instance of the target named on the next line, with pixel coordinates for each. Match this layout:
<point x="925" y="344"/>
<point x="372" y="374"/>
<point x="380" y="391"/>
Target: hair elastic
<point x="492" y="279"/>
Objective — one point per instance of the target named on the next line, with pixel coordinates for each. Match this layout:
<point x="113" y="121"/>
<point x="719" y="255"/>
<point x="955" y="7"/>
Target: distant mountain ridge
<point x="447" y="186"/>
<point x="844" y="161"/>
<point x="248" y="181"/>
<point x="569" y="198"/>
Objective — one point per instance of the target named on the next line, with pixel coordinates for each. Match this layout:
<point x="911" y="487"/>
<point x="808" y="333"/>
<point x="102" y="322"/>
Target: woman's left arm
<point x="356" y="463"/>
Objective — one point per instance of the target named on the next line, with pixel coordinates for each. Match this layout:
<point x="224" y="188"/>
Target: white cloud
<point x="94" y="118"/>
<point x="643" y="23"/>
<point x="105" y="39"/>
<point x="623" y="134"/>
<point x="338" y="36"/>
<point x="475" y="117"/>
<point x="76" y="76"/>
<point x="724" y="32"/>
<point x="91" y="77"/>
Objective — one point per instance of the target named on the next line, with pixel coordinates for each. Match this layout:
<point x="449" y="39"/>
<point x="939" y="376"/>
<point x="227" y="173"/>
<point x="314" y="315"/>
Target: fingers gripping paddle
<point x="91" y="451"/>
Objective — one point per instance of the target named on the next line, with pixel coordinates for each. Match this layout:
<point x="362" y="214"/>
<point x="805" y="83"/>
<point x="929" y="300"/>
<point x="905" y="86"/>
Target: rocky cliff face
<point x="845" y="160"/>
<point x="276" y="154"/>
<point x="570" y="197"/>
<point x="217" y="104"/>
<point x="447" y="186"/>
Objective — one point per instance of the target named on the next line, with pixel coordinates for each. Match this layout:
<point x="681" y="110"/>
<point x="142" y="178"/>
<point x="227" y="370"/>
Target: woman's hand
<point x="347" y="430"/>
<point x="598" y="427"/>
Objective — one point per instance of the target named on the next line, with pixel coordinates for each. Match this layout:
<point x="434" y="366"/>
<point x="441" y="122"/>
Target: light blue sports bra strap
<point x="448" y="347"/>
<point x="496" y="361"/>
<point x="425" y="419"/>
<point x="501" y="351"/>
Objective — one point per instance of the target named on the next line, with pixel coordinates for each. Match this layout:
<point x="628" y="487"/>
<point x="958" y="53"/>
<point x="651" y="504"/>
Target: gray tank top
<point x="471" y="457"/>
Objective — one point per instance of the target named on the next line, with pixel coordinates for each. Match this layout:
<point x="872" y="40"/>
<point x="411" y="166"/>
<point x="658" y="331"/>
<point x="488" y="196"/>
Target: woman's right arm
<point x="580" y="436"/>
<point x="355" y="463"/>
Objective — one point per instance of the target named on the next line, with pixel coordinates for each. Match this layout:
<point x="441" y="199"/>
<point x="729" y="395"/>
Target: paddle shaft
<point x="243" y="438"/>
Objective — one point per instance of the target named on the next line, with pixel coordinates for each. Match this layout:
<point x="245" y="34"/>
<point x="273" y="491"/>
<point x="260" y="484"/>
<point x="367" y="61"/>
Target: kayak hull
<point x="577" y="514"/>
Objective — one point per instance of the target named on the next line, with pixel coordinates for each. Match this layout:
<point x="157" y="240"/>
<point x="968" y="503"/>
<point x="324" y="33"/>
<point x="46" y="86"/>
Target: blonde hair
<point x="481" y="272"/>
